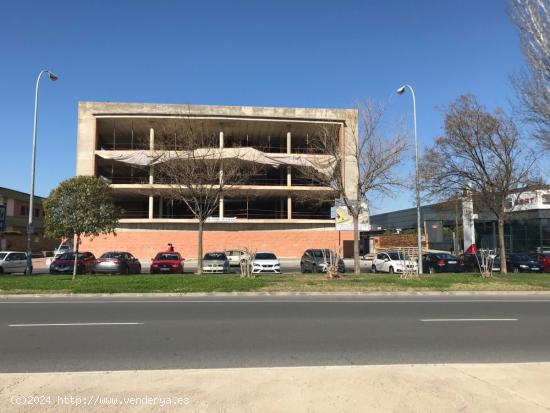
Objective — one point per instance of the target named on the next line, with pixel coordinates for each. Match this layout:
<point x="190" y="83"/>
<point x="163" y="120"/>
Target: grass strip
<point x="145" y="283"/>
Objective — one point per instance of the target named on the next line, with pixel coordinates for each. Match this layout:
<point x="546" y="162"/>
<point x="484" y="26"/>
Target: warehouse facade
<point x="278" y="208"/>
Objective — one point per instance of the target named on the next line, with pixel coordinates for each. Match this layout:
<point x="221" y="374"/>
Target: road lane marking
<point x="466" y="319"/>
<point x="72" y="324"/>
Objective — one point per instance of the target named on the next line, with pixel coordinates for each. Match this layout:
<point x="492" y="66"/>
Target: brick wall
<point x="145" y="244"/>
<point x="18" y="242"/>
<point x="397" y="240"/>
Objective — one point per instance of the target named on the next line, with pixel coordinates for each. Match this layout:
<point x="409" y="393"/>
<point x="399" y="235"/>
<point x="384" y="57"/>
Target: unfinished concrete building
<point x="276" y="208"/>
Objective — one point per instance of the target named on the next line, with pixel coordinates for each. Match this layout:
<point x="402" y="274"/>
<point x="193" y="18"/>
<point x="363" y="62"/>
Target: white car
<point x="265" y="262"/>
<point x="13" y="261"/>
<point x="235" y="257"/>
<point x="392" y="262"/>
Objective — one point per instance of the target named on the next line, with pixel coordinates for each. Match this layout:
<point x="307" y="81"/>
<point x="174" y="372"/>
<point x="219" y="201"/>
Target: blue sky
<point x="280" y="53"/>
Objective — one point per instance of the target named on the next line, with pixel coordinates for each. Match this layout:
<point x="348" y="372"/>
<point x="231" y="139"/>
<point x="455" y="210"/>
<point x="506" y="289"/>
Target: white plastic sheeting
<point x="325" y="164"/>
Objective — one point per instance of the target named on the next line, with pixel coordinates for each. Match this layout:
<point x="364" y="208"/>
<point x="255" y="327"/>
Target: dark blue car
<point x="521" y="263"/>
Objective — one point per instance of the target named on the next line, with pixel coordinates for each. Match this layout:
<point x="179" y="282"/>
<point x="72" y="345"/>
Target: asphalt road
<point x="82" y="334"/>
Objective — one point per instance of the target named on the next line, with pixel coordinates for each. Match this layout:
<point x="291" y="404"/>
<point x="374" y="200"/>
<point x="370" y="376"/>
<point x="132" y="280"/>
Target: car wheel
<point x="431" y="270"/>
<point x="373" y="268"/>
<point x="391" y="270"/>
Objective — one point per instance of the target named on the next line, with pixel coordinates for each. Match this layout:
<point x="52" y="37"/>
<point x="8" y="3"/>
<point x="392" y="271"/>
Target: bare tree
<point x="480" y="153"/>
<point x="198" y="172"/>
<point x="369" y="156"/>
<point x="532" y="18"/>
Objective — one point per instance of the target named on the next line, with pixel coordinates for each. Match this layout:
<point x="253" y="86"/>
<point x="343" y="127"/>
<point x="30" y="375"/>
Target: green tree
<point x="80" y="206"/>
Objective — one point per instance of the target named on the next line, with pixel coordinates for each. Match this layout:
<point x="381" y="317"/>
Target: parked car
<point x="215" y="262"/>
<point x="521" y="263"/>
<point x="235" y="257"/>
<point x="115" y="262"/>
<point x="13" y="261"/>
<point x="472" y="262"/>
<point x="85" y="263"/>
<point x="167" y="261"/>
<point x="315" y="260"/>
<point x="392" y="262"/>
<point x="265" y="262"/>
<point x="543" y="259"/>
<point x="62" y="249"/>
<point x="433" y="262"/>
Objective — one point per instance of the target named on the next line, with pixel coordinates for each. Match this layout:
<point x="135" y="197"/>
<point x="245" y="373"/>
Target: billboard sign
<point x="528" y="200"/>
<point x="344" y="220"/>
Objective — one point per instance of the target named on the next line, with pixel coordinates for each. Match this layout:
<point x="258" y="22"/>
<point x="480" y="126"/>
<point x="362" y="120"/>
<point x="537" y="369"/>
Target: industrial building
<point x="526" y="227"/>
<point x="278" y="208"/>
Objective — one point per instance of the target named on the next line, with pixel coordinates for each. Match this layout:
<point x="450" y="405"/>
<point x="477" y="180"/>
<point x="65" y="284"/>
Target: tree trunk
<point x="75" y="264"/>
<point x="356" y="261"/>
<point x="501" y="245"/>
<point x="199" y="258"/>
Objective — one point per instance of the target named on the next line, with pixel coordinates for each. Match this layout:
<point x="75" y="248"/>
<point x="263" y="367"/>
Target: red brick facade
<point x="145" y="244"/>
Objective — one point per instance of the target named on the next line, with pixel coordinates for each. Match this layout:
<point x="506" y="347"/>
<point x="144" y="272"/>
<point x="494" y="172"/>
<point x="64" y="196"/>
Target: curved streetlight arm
<point x="400" y="91"/>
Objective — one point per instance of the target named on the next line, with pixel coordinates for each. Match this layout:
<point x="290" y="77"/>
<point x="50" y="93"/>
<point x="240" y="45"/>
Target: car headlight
<point x="524" y="266"/>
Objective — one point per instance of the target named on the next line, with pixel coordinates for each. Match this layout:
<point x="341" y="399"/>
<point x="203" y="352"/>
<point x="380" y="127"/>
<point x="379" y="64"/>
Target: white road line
<point x="72" y="324"/>
<point x="466" y="319"/>
<point x="172" y="301"/>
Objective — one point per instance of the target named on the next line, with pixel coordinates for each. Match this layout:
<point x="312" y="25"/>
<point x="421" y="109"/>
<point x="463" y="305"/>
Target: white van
<point x="13" y="261"/>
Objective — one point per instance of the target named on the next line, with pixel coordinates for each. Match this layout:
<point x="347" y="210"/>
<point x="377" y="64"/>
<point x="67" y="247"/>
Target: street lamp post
<point x="30" y="229"/>
<point x="400" y="91"/>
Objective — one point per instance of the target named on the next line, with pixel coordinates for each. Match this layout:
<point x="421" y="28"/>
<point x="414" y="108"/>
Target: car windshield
<point x="112" y="255"/>
<point x="443" y="256"/>
<point x="265" y="256"/>
<point x="215" y="256"/>
<point x="3" y="255"/>
<point x="69" y="256"/>
<point x="322" y="253"/>
<point x="520" y="257"/>
<point x="167" y="257"/>
<point x="398" y="256"/>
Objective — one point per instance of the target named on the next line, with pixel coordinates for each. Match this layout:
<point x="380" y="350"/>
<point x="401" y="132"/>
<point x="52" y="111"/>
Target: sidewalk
<point x="521" y="387"/>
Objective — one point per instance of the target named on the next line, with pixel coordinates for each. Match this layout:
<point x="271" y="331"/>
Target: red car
<point x="167" y="261"/>
<point x="64" y="263"/>
<point x="543" y="259"/>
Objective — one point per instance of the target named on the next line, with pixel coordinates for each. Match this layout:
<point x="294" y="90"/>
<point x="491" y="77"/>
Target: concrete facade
<point x="276" y="211"/>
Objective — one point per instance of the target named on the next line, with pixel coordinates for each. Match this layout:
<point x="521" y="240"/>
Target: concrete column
<point x="151" y="148"/>
<point x="221" y="206"/>
<point x="221" y="169"/>
<point x="150" y="206"/>
<point x="288" y="142"/>
<point x="289" y="207"/>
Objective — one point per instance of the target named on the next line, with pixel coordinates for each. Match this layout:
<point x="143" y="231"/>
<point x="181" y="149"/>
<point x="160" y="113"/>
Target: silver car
<point x="215" y="262"/>
<point x="13" y="261"/>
